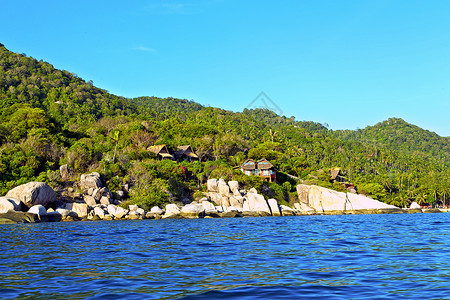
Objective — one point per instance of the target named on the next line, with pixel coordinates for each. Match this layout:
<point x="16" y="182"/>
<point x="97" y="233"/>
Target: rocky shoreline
<point x="36" y="202"/>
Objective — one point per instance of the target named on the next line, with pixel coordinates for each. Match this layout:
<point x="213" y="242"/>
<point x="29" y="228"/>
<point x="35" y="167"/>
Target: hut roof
<point x="249" y="164"/>
<point x="156" y="148"/>
<point x="334" y="173"/>
<point x="186" y="150"/>
<point x="264" y="164"/>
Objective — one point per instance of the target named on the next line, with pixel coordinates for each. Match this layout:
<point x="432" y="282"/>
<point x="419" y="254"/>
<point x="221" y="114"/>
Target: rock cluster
<point x="92" y="202"/>
<point x="322" y="200"/>
<point x="37" y="202"/>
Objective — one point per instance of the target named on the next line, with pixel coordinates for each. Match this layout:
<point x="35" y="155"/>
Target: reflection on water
<point x="354" y="256"/>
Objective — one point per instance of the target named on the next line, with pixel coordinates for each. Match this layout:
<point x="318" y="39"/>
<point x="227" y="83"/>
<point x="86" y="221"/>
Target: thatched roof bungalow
<point x="336" y="175"/>
<point x="185" y="153"/>
<point x="161" y="151"/>
<point x="262" y="168"/>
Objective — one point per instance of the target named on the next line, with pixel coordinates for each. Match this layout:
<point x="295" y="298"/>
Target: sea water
<point x="401" y="256"/>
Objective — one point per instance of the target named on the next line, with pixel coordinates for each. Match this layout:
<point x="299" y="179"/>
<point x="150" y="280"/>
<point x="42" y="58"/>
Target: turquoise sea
<point x="397" y="256"/>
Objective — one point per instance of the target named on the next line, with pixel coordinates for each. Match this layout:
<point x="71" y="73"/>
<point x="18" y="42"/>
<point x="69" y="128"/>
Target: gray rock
<point x="212" y="185"/>
<point x="303" y="193"/>
<point x="134" y="215"/>
<point x="33" y="193"/>
<point x="117" y="212"/>
<point x="171" y="209"/>
<point x="8" y="203"/>
<point x="257" y="203"/>
<point x="157" y="210"/>
<point x="89" y="200"/>
<point x="104" y="201"/>
<point x="286" y="210"/>
<point x="121" y="194"/>
<point x="140" y="211"/>
<point x="234" y="187"/>
<point x="208" y="206"/>
<point x="97" y="194"/>
<point x="90" y="191"/>
<point x="303" y="208"/>
<point x="64" y="171"/>
<point x="91" y="181"/>
<point x="66" y="215"/>
<point x="98" y="211"/>
<point x="192" y="211"/>
<point x="81" y="209"/>
<point x="38" y="210"/>
<point x="326" y="200"/>
<point x="216" y="198"/>
<point x="224" y="201"/>
<point x="13" y="217"/>
<point x="236" y="201"/>
<point x="105" y="192"/>
<point x="133" y="207"/>
<point x="273" y="205"/>
<point x="224" y="188"/>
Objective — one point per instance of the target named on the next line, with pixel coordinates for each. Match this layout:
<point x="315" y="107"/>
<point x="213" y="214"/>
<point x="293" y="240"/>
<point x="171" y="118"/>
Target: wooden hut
<point x="185" y="153"/>
<point x="161" y="151"/>
<point x="262" y="168"/>
<point x="336" y="175"/>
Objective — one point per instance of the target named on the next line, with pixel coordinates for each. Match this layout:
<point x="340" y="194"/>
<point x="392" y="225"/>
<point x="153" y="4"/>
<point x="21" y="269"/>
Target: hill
<point x="52" y="117"/>
<point x="399" y="135"/>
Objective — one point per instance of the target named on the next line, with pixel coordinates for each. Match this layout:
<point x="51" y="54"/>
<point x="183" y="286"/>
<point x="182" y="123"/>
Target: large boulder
<point x="257" y="203"/>
<point x="81" y="209"/>
<point x="236" y="201"/>
<point x="105" y="201"/>
<point x="273" y="204"/>
<point x="287" y="211"/>
<point x="215" y="198"/>
<point x="303" y="193"/>
<point x="96" y="194"/>
<point x="363" y="202"/>
<point x="89" y="200"/>
<point x="212" y="185"/>
<point x="325" y="200"/>
<point x="133" y="207"/>
<point x="192" y="211"/>
<point x="223" y="187"/>
<point x="171" y="210"/>
<point x="33" y="193"/>
<point x="38" y="210"/>
<point x="13" y="217"/>
<point x="208" y="206"/>
<point x="234" y="187"/>
<point x="7" y="204"/>
<point x="116" y="211"/>
<point x="157" y="210"/>
<point x="99" y="212"/>
<point x="91" y="181"/>
<point x="304" y="208"/>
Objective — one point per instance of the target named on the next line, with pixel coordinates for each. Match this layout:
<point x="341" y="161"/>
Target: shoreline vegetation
<point x="150" y="152"/>
<point x="36" y="202"/>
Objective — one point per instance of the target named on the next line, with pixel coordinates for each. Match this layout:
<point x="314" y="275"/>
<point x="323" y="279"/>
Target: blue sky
<point x="345" y="63"/>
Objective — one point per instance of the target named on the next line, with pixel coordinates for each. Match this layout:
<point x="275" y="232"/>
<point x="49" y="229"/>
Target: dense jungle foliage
<point x="50" y="117"/>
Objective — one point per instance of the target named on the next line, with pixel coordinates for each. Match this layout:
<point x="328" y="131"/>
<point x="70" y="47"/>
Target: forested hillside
<point x="51" y="117"/>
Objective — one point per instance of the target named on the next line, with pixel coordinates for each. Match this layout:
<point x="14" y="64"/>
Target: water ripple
<point x="333" y="257"/>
